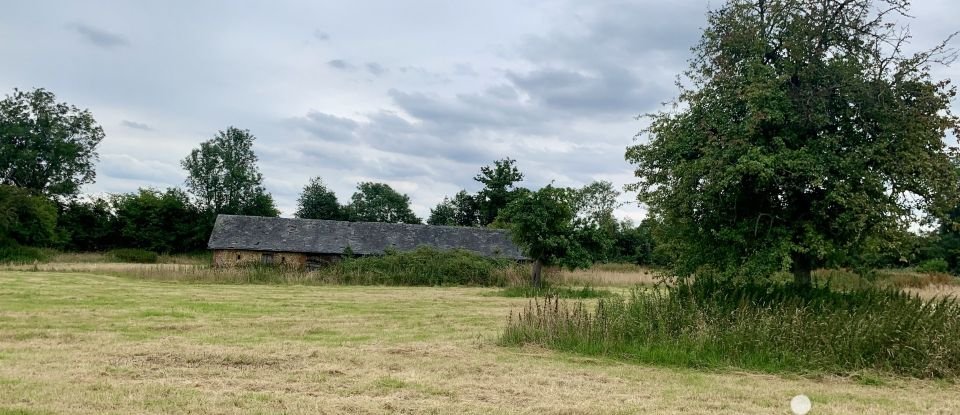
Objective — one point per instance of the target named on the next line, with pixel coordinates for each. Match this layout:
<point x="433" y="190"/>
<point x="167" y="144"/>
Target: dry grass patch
<point x="606" y="275"/>
<point x="936" y="291"/>
<point x="90" y="343"/>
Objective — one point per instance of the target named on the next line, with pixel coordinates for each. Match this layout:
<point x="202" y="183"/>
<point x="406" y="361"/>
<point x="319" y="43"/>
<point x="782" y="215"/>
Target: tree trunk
<point x="535" y="274"/>
<point x="801" y="269"/>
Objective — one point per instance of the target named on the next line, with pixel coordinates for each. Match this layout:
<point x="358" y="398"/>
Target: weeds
<point x="528" y="291"/>
<point x="767" y="328"/>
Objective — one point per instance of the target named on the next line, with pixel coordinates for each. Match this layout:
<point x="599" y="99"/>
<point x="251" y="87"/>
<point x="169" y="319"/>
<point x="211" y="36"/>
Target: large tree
<point x="596" y="226"/>
<point x="318" y="202"/>
<point x="222" y="175"/>
<point x="804" y="135"/>
<point x="378" y="202"/>
<point x="498" y="188"/>
<point x="542" y="224"/>
<point x="46" y="146"/>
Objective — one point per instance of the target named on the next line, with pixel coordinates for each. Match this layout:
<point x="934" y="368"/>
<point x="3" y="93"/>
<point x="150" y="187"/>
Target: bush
<point x="24" y="254"/>
<point x="139" y="256"/>
<point x="422" y="266"/>
<point x="768" y="328"/>
<point x="26" y="219"/>
<point x="935" y="265"/>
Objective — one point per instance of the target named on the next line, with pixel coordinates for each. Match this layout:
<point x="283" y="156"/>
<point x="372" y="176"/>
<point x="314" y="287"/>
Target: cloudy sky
<point x="417" y="94"/>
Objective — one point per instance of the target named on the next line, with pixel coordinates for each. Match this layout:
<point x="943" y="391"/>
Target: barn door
<point x="266" y="259"/>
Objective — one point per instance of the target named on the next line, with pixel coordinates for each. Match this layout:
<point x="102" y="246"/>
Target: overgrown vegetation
<point x="768" y="328"/>
<point x="547" y="290"/>
<point x="18" y="254"/>
<point x="422" y="266"/>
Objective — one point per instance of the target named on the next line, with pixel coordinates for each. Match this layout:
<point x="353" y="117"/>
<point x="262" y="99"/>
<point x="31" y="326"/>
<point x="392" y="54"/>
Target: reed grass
<point x="766" y="328"/>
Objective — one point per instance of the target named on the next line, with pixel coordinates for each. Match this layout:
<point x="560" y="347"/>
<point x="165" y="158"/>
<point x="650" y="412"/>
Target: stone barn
<point x="308" y="243"/>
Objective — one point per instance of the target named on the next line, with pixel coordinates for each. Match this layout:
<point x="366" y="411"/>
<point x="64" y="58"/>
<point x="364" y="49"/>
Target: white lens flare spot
<point x="800" y="404"/>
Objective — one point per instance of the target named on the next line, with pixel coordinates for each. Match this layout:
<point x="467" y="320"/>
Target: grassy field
<point x="91" y="343"/>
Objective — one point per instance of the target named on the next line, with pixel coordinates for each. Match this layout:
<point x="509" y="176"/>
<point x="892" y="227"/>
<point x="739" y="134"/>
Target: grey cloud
<point x="136" y="125"/>
<point x="611" y="32"/>
<point x="605" y="90"/>
<point x="99" y="37"/>
<point x="386" y="132"/>
<point x="325" y="126"/>
<point x="464" y="69"/>
<point x="610" y="63"/>
<point x="391" y="133"/>
<point x="493" y="108"/>
<point x="321" y="35"/>
<point x="424" y="74"/>
<point x="341" y="65"/>
<point x="375" y="69"/>
<point x="122" y="166"/>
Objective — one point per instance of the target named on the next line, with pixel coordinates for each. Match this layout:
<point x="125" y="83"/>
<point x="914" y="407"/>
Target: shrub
<point x="26" y="219"/>
<point x="769" y="328"/>
<point x="935" y="265"/>
<point x="139" y="256"/>
<point x="24" y="254"/>
<point x="422" y="266"/>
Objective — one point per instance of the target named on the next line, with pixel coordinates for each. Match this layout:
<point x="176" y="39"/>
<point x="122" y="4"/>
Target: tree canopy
<point x="46" y="146"/>
<point x="803" y="136"/>
<point x="461" y="210"/>
<point x="499" y="183"/>
<point x="158" y="221"/>
<point x="26" y="218"/>
<point x="378" y="202"/>
<point x="89" y="225"/>
<point x="223" y="176"/>
<point x="443" y="214"/>
<point x="318" y="202"/>
<point x="541" y="223"/>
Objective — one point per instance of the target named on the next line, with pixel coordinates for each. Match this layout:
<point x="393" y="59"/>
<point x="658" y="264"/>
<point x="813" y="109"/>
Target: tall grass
<point x="548" y="290"/>
<point x="884" y="278"/>
<point x="767" y="328"/>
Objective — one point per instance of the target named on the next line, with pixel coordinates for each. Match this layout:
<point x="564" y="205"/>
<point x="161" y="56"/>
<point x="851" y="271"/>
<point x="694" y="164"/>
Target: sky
<point x="418" y="94"/>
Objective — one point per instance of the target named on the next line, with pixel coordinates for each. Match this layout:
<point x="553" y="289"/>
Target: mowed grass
<point x="90" y="343"/>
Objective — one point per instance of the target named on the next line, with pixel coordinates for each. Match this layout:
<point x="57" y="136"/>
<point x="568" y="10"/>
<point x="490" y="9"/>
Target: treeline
<point x="583" y="227"/>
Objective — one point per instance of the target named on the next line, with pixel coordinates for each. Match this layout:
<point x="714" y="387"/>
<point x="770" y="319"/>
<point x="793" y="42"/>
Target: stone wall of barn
<point x="234" y="257"/>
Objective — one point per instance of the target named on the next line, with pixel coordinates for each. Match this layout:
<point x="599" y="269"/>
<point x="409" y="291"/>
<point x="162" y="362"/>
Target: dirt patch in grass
<point x="117" y="345"/>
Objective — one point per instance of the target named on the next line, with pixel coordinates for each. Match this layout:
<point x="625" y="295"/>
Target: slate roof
<point x="364" y="238"/>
